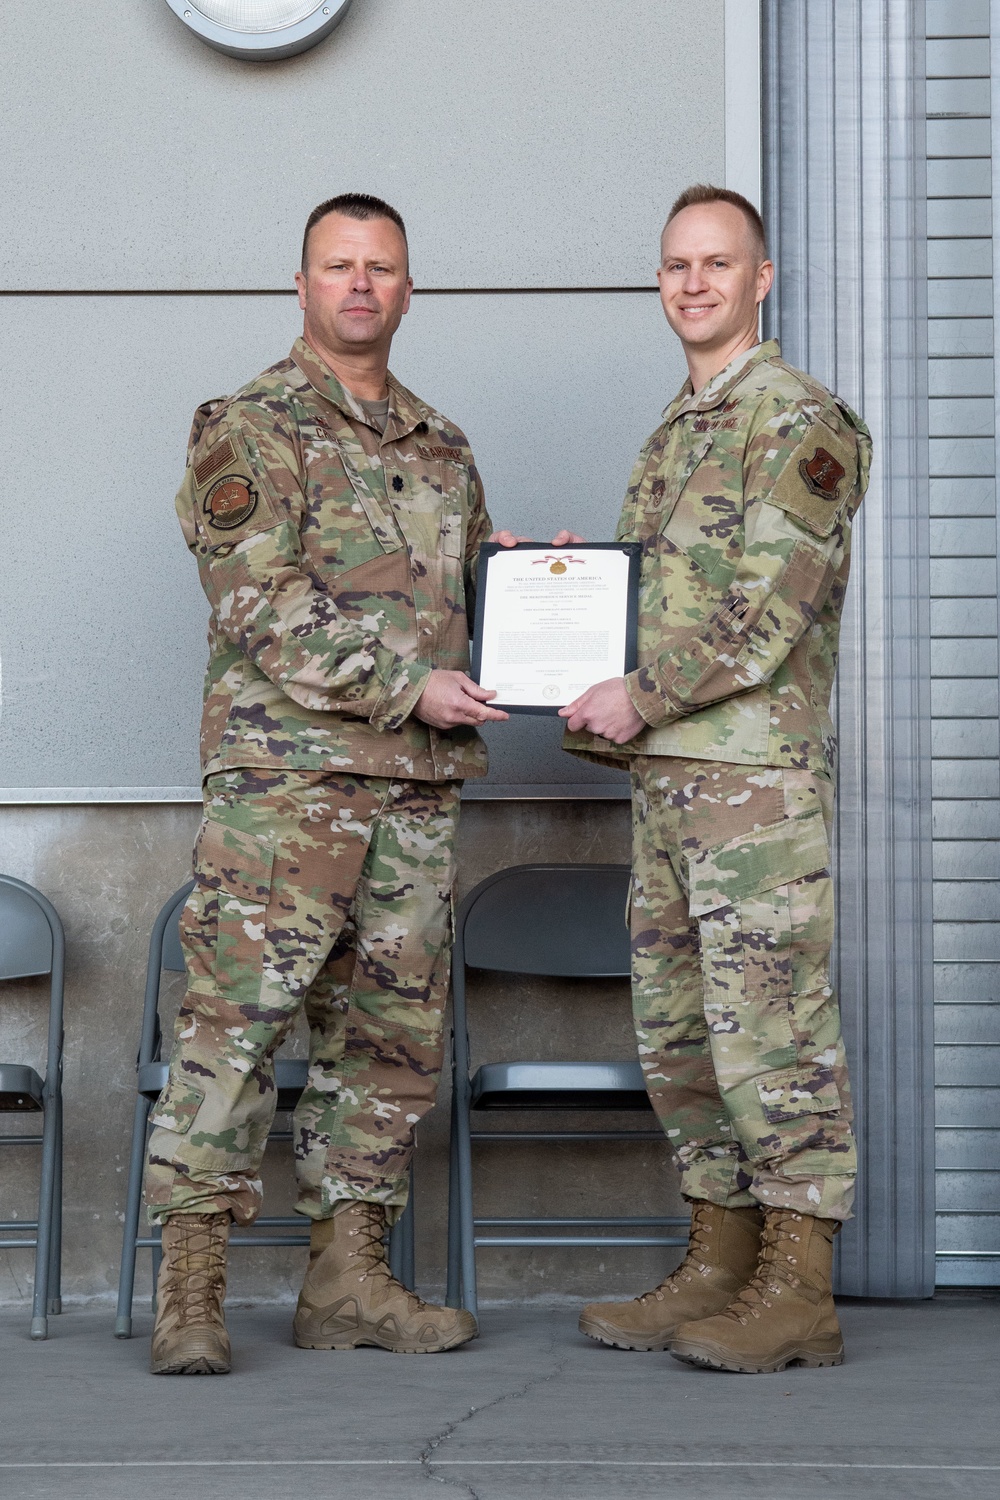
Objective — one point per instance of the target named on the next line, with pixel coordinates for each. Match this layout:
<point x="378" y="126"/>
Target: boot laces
<point x="697" y="1254"/>
<point x="370" y="1254"/>
<point x="777" y="1266"/>
<point x="196" y="1272"/>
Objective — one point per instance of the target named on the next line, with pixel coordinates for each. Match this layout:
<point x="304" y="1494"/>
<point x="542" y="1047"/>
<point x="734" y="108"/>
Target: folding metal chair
<point x="165" y="956"/>
<point x="32" y="944"/>
<point x="558" y="920"/>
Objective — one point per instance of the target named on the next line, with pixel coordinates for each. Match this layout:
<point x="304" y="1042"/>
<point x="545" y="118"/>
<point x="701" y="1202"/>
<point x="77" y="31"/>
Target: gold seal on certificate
<point x="552" y="621"/>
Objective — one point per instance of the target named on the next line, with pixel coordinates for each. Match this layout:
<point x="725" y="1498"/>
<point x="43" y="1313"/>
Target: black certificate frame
<point x="489" y="550"/>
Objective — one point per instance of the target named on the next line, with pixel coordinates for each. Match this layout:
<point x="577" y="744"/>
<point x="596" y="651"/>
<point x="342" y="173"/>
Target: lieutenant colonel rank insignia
<point x="229" y="502"/>
<point x="822" y="474"/>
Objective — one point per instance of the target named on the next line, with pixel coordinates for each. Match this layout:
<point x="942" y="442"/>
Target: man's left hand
<point x="605" y="709"/>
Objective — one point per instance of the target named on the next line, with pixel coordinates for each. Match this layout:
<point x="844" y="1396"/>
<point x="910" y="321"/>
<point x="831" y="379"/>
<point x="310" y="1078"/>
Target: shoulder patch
<point x="227" y="490"/>
<point x="819" y="479"/>
<point x="230" y="501"/>
<point x="222" y="454"/>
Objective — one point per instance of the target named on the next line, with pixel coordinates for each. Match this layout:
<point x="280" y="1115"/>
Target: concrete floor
<point x="531" y="1408"/>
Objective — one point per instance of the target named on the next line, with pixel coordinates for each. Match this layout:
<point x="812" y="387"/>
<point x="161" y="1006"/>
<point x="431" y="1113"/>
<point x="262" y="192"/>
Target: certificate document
<point x="552" y="621"/>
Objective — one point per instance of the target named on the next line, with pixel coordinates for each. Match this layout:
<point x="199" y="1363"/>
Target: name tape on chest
<point x="438" y="451"/>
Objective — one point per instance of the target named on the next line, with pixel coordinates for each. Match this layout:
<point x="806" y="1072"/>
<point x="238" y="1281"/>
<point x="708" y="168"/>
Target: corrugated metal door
<point x="966" y="732"/>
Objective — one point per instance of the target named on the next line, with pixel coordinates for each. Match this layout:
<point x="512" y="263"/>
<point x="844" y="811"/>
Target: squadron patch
<point x="229" y="502"/>
<point x="822" y="474"/>
<point x="818" y="481"/>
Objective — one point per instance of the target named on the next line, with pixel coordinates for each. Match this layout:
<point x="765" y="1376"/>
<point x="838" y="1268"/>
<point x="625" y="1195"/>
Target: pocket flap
<point x="758" y="861"/>
<point x="234" y="861"/>
<point x="177" y="1106"/>
<point x="794" y="1092"/>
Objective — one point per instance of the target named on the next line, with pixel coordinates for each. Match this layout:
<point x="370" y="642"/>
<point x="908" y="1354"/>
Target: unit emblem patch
<point x="822" y="474"/>
<point x="229" y="502"/>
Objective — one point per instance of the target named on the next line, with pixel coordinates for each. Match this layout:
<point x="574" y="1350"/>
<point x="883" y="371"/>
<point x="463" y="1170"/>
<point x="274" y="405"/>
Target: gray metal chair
<point x="165" y="956"/>
<point x="32" y="945"/>
<point x="558" y="920"/>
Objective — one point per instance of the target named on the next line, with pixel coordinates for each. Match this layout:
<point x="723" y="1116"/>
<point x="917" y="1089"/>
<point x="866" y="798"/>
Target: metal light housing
<point x="260" y="30"/>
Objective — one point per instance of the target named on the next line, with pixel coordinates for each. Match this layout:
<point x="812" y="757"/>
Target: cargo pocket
<point x="740" y="899"/>
<point x="794" y="1092"/>
<point x="237" y="866"/>
<point x="177" y="1106"/>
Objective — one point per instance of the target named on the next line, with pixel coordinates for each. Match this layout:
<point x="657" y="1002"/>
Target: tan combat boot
<point x="784" y="1315"/>
<point x="721" y="1256"/>
<point x="190" y="1336"/>
<point x="350" y="1298"/>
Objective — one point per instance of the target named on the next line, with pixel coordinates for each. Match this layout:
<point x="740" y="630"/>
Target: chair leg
<point x="454" y="1293"/>
<point x="467" y="1230"/>
<point x="46" y="1199"/>
<point x="157" y="1262"/>
<point x="55" y="1244"/>
<point x="130" y="1228"/>
<point x="409" y="1276"/>
<point x="401" y="1251"/>
<point x="395" y="1253"/>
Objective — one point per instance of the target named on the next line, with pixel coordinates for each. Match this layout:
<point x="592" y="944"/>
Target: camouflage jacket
<point x="337" y="563"/>
<point x="743" y="500"/>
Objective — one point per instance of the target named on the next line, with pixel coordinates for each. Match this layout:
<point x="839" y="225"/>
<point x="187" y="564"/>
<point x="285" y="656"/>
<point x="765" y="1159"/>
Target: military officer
<point x="336" y="520"/>
<point x="743" y="500"/>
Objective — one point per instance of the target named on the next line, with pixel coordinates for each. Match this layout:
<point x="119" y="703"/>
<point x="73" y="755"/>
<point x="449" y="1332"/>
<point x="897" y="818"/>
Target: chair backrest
<point x="164" y="953"/>
<point x="25" y="933"/>
<point x="566" y="920"/>
<point x="32" y="942"/>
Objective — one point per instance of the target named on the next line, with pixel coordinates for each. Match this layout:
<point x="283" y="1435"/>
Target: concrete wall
<point x="109" y="869"/>
<point x="154" y="194"/>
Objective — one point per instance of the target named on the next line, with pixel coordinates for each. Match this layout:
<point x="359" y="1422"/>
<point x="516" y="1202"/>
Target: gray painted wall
<point x="139" y="163"/>
<point x="523" y="152"/>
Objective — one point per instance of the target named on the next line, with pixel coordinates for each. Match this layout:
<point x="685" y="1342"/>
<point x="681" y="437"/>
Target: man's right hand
<point x="452" y="700"/>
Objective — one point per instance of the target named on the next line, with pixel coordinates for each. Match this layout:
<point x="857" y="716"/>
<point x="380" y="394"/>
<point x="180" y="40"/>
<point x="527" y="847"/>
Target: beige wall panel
<point x="526" y="144"/>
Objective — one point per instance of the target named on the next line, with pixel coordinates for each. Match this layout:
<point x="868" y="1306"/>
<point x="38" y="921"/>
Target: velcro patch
<point x="439" y="451"/>
<point x="819" y="480"/>
<point x="222" y="456"/>
<point x="231" y="501"/>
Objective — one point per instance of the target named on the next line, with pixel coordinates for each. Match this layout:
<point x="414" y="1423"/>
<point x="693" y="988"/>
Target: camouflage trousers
<point x="329" y="894"/>
<point x="738" y="1025"/>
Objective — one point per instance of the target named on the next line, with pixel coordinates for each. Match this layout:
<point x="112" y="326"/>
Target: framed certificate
<point x="552" y="621"/>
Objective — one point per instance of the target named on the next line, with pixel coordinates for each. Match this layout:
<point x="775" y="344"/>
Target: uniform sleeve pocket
<point x="230" y="860"/>
<point x="793" y="1092"/>
<point x="759" y="861"/>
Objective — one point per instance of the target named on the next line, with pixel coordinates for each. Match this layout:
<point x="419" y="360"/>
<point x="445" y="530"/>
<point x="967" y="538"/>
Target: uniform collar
<point x="406" y="412"/>
<point x="721" y="385"/>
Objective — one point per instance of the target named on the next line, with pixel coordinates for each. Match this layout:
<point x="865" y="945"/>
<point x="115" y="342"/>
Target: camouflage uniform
<point x="743" y="501"/>
<point x="337" y="561"/>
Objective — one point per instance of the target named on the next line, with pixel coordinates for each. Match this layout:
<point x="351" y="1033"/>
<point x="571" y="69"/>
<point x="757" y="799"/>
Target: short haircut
<point x="354" y="206"/>
<point x="704" y="192"/>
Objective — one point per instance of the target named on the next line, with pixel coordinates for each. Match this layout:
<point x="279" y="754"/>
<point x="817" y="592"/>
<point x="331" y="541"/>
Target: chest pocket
<point x="678" y="482"/>
<point x="355" y="462"/>
<point x="705" y="520"/>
